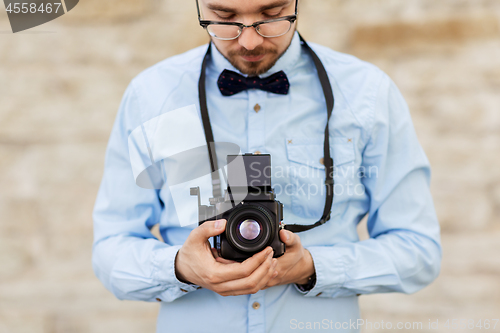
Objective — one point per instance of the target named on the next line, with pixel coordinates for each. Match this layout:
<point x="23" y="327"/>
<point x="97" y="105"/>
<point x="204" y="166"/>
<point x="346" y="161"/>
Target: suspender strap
<point x="328" y="161"/>
<point x="209" y="136"/>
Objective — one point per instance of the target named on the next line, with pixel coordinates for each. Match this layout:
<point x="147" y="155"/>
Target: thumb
<point x="287" y="237"/>
<point x="209" y="229"/>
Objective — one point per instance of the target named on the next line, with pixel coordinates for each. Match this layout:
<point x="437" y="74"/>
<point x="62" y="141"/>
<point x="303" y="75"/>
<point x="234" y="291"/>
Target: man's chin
<point x="253" y="68"/>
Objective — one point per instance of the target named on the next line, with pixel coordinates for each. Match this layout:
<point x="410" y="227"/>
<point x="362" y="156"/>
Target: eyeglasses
<point x="231" y="30"/>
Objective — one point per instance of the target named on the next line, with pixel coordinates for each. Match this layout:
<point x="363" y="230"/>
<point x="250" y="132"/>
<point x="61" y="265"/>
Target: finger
<point x="251" y="284"/>
<point x="219" y="258"/>
<point x="263" y="282"/>
<point x="225" y="261"/>
<point x="273" y="281"/>
<point x="207" y="229"/>
<point x="235" y="271"/>
<point x="288" y="237"/>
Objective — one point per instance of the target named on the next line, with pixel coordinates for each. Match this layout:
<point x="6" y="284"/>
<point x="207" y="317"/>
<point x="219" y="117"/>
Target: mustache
<point x="253" y="53"/>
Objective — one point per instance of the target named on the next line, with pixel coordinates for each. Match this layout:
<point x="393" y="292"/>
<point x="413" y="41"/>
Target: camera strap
<point x="328" y="161"/>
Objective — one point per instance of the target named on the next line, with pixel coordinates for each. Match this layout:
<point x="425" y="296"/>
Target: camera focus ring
<point x="250" y="228"/>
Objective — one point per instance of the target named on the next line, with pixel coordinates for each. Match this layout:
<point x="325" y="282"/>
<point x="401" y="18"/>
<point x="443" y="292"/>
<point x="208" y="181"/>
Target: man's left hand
<point x="296" y="265"/>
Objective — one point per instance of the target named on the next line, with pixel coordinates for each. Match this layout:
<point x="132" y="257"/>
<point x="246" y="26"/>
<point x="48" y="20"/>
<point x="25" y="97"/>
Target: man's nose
<point x="250" y="39"/>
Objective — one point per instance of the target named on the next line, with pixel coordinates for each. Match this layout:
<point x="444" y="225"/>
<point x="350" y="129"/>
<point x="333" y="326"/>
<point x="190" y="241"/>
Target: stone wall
<point x="61" y="85"/>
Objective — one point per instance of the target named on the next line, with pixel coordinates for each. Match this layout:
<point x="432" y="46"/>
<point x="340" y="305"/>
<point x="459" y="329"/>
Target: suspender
<point x="209" y="136"/>
<point x="327" y="90"/>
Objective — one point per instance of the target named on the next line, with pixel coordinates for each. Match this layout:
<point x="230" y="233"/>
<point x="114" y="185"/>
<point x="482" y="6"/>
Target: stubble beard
<point x="254" y="68"/>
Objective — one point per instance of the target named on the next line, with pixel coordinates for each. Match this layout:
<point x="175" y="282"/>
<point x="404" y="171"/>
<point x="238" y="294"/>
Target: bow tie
<point x="231" y="83"/>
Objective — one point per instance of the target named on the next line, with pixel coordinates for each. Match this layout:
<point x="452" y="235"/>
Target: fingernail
<point x="275" y="262"/>
<point x="275" y="274"/>
<point x="287" y="236"/>
<point x="269" y="251"/>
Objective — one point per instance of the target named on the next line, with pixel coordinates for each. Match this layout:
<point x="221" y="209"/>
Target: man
<point x="380" y="170"/>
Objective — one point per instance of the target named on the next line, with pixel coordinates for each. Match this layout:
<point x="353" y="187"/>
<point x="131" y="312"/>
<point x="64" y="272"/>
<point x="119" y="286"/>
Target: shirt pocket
<point x="307" y="171"/>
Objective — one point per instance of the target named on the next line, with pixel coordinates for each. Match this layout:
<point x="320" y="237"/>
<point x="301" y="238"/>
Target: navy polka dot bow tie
<point x="231" y="83"/>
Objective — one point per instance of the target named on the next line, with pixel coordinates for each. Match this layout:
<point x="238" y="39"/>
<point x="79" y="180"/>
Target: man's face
<point x="250" y="53"/>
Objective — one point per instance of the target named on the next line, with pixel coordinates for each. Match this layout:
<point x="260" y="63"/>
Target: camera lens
<point x="249" y="229"/>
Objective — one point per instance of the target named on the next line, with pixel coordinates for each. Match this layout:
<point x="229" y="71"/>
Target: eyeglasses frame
<point x="241" y="26"/>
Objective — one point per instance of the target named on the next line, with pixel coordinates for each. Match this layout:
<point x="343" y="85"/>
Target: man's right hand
<point x="195" y="263"/>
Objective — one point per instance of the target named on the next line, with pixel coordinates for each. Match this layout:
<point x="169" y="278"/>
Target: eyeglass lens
<point x="271" y="29"/>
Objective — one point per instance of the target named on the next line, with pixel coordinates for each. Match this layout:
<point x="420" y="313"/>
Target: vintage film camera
<point x="250" y="207"/>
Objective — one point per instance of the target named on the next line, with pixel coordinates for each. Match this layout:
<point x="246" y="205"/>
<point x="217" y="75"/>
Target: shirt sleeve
<point x="403" y="253"/>
<point x="126" y="257"/>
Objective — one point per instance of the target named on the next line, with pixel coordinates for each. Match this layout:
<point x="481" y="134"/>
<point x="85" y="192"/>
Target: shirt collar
<point x="285" y="63"/>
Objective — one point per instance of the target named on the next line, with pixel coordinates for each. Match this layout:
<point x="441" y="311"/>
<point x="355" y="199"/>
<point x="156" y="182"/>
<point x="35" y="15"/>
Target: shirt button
<point x="257" y="152"/>
<point x="256" y="108"/>
<point x="319" y="294"/>
<point x="159" y="300"/>
<point x="322" y="161"/>
<point x="256" y="305"/>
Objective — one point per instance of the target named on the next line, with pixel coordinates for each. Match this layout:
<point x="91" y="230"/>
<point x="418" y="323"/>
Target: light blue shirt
<point x="380" y="170"/>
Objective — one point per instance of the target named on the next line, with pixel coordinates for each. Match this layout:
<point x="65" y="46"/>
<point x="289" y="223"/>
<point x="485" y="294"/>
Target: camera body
<point x="250" y="208"/>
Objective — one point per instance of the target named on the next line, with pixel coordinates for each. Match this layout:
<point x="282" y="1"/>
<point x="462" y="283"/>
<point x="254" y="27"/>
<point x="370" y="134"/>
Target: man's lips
<point x="253" y="58"/>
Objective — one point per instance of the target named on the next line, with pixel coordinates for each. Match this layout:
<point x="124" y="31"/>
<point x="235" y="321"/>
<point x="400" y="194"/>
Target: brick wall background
<point x="61" y="84"/>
